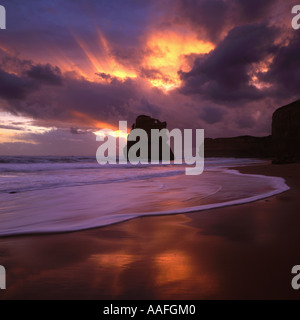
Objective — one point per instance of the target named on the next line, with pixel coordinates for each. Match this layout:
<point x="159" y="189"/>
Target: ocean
<point x="63" y="194"/>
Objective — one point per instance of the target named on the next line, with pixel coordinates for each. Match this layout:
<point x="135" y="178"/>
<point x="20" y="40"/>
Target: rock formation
<point x="283" y="146"/>
<point x="286" y="133"/>
<point x="147" y="123"/>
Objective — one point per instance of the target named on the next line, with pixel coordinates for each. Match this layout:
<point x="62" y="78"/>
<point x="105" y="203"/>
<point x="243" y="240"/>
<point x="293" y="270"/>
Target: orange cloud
<point x="85" y="120"/>
<point x="168" y="55"/>
<point x="105" y="127"/>
<point x="169" y="51"/>
<point x="102" y="61"/>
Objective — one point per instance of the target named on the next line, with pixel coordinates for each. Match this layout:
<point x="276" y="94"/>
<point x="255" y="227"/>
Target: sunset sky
<point x="70" y="68"/>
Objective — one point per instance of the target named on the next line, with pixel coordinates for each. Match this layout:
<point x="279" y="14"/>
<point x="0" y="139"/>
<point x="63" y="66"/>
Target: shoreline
<point x="276" y="186"/>
<point x="244" y="251"/>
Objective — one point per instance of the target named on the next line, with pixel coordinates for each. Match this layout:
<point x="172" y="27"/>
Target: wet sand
<point x="239" y="252"/>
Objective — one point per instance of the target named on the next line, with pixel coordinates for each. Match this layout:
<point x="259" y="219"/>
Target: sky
<point x="71" y="68"/>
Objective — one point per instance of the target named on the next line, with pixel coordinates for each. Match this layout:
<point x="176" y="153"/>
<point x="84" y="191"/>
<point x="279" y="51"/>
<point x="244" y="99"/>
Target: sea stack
<point x="286" y="133"/>
<point x="147" y="123"/>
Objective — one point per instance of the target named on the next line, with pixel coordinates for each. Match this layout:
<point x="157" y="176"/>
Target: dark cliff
<point x="239" y="147"/>
<point x="286" y="133"/>
<point x="283" y="146"/>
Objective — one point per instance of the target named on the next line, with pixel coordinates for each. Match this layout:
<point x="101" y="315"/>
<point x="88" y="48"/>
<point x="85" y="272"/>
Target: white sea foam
<point x="39" y="196"/>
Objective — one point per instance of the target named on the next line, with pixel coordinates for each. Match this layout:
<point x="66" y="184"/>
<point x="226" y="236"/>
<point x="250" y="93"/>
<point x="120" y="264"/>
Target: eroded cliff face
<point x="286" y="133"/>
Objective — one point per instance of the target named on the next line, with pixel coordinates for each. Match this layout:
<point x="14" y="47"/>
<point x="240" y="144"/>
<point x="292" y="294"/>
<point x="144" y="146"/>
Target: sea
<point x="63" y="194"/>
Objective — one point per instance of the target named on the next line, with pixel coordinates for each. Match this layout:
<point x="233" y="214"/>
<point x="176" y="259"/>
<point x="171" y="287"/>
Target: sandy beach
<point x="239" y="252"/>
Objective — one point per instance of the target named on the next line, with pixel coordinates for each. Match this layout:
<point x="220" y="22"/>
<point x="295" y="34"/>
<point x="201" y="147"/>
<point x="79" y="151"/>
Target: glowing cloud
<point x="169" y="51"/>
<point x="102" y="61"/>
<point x="105" y="127"/>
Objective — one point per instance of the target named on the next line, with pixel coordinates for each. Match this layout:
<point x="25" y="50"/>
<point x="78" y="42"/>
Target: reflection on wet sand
<point x="120" y="261"/>
<point x="238" y="252"/>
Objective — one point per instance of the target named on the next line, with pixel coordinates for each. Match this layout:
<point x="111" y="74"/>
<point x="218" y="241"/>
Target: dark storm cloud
<point x="223" y="75"/>
<point x="284" y="72"/>
<point x="24" y="77"/>
<point x="211" y="18"/>
<point x="45" y="74"/>
<point x="102" y="101"/>
<point x="208" y="16"/>
<point x="57" y="97"/>
<point x="98" y="101"/>
<point x="13" y="87"/>
<point x="250" y="11"/>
